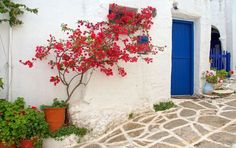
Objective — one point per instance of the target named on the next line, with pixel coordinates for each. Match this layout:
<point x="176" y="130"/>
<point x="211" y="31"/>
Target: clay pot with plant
<point x="55" y="114"/>
<point x="98" y="46"/>
<point x="34" y="128"/>
<point x="10" y="127"/>
<point x="222" y="74"/>
<point x="20" y="126"/>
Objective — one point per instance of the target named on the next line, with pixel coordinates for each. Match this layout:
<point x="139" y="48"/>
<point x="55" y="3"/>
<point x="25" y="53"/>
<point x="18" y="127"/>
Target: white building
<point x="108" y="100"/>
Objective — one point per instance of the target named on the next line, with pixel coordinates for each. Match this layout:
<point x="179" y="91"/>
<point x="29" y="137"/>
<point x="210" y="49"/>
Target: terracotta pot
<point x="55" y="117"/>
<point x="3" y="146"/>
<point x="27" y="144"/>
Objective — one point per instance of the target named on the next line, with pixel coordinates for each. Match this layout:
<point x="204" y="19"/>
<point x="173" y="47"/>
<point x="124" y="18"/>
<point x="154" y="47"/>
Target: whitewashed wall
<point x="4" y="38"/>
<point x="234" y="34"/>
<point x="218" y="19"/>
<point x="107" y="100"/>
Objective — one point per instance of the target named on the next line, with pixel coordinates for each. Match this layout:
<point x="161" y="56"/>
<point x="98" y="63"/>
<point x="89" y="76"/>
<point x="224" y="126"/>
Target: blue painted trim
<point x="192" y="50"/>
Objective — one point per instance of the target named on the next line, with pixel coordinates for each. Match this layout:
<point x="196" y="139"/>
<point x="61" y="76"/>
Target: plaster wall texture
<point x="219" y="19"/>
<point x="4" y="42"/>
<point x="229" y="24"/>
<point x="106" y="101"/>
<point x="234" y="35"/>
<point x="223" y="17"/>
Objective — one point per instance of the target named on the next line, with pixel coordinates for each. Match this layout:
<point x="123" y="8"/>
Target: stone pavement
<point x="195" y="123"/>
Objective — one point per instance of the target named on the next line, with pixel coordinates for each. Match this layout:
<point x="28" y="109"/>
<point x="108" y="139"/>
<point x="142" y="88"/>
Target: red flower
<point x="148" y="60"/>
<point x="93" y="46"/>
<point x="58" y="46"/>
<point x="111" y="16"/>
<point x="231" y="72"/>
<point x="55" y="80"/>
<point x="34" y="107"/>
<point x="65" y="57"/>
<point x="122" y="71"/>
<point x="93" y="36"/>
<point x="28" y="63"/>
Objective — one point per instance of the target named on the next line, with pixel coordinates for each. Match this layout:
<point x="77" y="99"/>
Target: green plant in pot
<point x="222" y="74"/>
<point x="55" y="114"/>
<point x="211" y="79"/>
<point x="10" y="122"/>
<point x="34" y="128"/>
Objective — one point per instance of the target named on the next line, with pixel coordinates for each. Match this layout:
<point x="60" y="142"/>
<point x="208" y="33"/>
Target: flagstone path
<point x="196" y="123"/>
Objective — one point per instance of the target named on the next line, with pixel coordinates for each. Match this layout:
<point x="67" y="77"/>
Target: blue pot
<point x="208" y="88"/>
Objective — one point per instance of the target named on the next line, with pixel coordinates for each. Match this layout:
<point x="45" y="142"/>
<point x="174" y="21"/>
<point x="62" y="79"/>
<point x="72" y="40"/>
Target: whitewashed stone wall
<point x="107" y="101"/>
<point x="4" y="42"/>
<point x="223" y="17"/>
<point x="234" y="34"/>
<point x="218" y="19"/>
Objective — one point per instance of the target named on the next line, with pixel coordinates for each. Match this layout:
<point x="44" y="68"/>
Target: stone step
<point x="221" y="93"/>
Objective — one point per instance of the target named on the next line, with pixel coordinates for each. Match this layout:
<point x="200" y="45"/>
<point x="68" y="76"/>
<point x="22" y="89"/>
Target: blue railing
<point x="220" y="60"/>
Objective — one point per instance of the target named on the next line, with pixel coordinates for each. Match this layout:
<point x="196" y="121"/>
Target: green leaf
<point x="1" y="83"/>
<point x="14" y="10"/>
<point x="163" y="106"/>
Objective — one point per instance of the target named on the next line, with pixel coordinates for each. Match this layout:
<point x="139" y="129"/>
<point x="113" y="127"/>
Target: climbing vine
<point x="14" y="10"/>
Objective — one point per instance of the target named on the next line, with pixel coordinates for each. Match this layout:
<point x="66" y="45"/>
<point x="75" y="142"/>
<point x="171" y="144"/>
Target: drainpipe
<point x="9" y="95"/>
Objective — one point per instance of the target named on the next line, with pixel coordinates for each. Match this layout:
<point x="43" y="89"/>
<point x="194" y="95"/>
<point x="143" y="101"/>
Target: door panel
<point x="182" y="58"/>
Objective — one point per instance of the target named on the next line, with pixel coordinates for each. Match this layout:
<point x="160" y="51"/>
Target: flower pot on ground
<point x="211" y="79"/>
<point x="4" y="146"/>
<point x="222" y="74"/>
<point x="208" y="88"/>
<point x="18" y="123"/>
<point x="34" y="128"/>
<point x="55" y="114"/>
<point x="55" y="117"/>
<point x="27" y="144"/>
<point x="10" y="123"/>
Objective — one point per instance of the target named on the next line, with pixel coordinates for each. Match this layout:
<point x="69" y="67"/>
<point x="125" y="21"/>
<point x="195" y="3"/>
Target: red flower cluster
<point x="55" y="80"/>
<point x="102" y="46"/>
<point x="28" y="63"/>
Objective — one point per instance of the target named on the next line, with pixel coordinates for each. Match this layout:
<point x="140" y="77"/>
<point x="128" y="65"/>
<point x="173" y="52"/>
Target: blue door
<point x="182" y="58"/>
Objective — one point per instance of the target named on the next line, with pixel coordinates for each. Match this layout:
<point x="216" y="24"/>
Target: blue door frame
<point x="182" y="76"/>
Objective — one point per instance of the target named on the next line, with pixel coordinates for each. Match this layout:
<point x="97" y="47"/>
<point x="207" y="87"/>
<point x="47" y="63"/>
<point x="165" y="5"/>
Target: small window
<point x="119" y="11"/>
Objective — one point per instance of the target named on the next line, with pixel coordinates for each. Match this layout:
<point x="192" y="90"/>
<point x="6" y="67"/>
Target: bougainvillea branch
<point x="101" y="46"/>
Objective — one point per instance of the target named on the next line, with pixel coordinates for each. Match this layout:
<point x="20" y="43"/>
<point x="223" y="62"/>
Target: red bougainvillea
<point x="100" y="46"/>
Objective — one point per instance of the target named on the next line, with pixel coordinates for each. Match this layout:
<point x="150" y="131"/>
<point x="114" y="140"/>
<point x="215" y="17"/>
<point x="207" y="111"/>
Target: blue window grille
<point x="220" y="60"/>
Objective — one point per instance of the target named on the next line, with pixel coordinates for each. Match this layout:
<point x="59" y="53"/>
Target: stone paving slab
<point x="198" y="123"/>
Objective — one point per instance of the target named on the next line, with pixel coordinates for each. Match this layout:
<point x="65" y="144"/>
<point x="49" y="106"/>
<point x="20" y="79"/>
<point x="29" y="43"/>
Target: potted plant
<point x="34" y="128"/>
<point x="222" y="74"/>
<point x="55" y="114"/>
<point x="211" y="79"/>
<point x="10" y="127"/>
